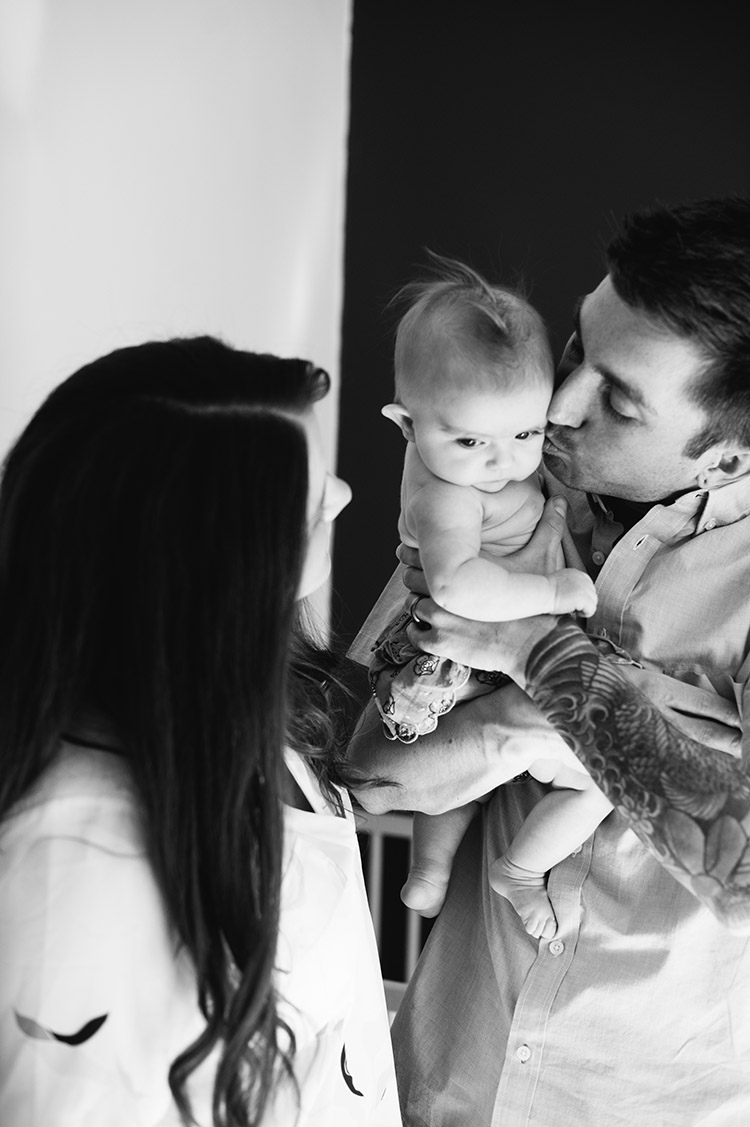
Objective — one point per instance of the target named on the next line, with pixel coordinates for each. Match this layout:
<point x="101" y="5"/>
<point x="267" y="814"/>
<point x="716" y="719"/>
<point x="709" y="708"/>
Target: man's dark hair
<point x="689" y="267"/>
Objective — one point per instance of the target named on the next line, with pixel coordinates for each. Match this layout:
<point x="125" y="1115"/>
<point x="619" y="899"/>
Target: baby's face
<point x="482" y="438"/>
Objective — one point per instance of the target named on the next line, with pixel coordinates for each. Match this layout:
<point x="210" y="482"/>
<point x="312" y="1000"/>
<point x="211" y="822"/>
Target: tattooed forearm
<point x="690" y="804"/>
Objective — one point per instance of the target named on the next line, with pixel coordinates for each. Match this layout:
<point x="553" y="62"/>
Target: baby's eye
<point x="526" y="434"/>
<point x="468" y="443"/>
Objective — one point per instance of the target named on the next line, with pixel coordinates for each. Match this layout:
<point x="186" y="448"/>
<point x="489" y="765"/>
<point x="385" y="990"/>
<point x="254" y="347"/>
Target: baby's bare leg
<point x="435" y="839"/>
<point x="558" y="824"/>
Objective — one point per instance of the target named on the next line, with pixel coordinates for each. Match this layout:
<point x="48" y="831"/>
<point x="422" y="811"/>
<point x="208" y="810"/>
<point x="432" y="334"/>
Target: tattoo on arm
<point x="688" y="803"/>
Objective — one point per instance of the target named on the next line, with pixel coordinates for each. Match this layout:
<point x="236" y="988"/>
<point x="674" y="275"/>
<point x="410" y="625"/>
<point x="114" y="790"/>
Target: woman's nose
<point x="338" y="495"/>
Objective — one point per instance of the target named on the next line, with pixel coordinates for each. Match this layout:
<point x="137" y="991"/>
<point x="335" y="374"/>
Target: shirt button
<point x="599" y="557"/>
<point x="523" y="1053"/>
<point x="576" y="851"/>
<point x="556" y="947"/>
<point x="710" y="523"/>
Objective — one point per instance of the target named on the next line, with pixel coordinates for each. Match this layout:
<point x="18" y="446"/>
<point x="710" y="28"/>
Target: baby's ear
<point x="401" y="417"/>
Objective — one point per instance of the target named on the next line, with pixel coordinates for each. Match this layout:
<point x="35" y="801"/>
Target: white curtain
<point x="168" y="167"/>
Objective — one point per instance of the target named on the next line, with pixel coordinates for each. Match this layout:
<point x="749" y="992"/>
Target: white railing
<point x="378" y="827"/>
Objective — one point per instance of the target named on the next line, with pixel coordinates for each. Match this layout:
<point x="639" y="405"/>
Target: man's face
<point x="621" y="417"/>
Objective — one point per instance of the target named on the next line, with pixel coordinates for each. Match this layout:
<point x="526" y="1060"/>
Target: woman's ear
<point x="401" y="417"/>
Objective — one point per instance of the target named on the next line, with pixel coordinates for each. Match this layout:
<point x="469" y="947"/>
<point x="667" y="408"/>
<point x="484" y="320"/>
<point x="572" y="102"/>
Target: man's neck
<point x="627" y="513"/>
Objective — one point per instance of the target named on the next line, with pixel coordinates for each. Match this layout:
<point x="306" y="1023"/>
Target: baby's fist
<point x="573" y="591"/>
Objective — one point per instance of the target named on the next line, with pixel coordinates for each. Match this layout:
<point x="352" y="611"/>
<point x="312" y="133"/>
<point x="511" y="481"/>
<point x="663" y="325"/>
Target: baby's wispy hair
<point x="488" y="328"/>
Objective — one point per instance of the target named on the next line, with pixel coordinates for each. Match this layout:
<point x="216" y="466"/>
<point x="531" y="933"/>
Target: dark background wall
<point x="512" y="136"/>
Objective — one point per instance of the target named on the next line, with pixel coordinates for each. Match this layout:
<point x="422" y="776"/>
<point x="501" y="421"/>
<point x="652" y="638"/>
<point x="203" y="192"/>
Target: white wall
<point x="168" y="167"/>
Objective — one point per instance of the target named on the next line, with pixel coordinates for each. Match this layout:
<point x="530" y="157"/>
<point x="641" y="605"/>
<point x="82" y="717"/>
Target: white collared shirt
<point x="96" y="999"/>
<point x="637" y="1013"/>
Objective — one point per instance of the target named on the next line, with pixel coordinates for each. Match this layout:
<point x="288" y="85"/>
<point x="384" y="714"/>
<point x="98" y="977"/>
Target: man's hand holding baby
<point x="499" y="645"/>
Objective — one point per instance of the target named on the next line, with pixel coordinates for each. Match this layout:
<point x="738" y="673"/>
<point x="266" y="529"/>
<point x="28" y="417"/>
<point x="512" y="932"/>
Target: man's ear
<point x="722" y="465"/>
<point x="401" y="417"/>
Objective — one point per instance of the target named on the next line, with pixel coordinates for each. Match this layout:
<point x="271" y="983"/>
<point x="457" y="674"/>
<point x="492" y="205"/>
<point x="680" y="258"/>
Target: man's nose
<point x="571" y="403"/>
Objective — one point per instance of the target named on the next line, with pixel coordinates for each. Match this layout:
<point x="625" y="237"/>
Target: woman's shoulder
<point x="85" y="795"/>
<point x="77" y="891"/>
<point x="96" y="997"/>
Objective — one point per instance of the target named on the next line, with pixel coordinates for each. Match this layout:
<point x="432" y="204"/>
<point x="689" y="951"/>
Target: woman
<point x="183" y="924"/>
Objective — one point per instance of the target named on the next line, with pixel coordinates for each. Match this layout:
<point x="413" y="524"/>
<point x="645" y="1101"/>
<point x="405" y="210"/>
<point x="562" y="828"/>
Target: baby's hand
<point x="573" y="590"/>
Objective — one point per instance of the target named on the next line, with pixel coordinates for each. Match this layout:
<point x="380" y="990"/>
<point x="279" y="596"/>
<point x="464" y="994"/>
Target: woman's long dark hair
<point x="152" y="535"/>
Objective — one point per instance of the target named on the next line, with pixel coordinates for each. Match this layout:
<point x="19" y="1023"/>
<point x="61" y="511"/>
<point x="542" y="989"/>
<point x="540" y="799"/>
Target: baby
<point x="474" y="378"/>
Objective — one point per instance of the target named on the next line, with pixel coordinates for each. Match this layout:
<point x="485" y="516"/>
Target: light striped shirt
<point x="637" y="1013"/>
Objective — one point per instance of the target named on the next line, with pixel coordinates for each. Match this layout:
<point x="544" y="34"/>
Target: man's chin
<point x="564" y="469"/>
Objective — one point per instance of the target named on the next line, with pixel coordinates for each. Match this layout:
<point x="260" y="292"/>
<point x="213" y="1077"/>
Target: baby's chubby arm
<point x="447" y="520"/>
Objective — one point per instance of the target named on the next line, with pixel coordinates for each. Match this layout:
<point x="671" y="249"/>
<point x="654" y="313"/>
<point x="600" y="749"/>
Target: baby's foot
<point x="424" y="891"/>
<point x="527" y="893"/>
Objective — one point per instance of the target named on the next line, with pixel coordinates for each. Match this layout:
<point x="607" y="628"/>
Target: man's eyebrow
<point x="634" y="394"/>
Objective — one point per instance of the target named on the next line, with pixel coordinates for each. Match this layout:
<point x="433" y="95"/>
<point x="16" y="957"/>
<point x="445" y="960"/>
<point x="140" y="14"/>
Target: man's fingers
<point x="408" y="556"/>
<point x="702" y="715"/>
<point x="545" y="544"/>
<point x="681" y="695"/>
<point x="552" y="521"/>
<point x="416" y="630"/>
<point x="543" y="553"/>
<point x="415" y="581"/>
<point x="723" y="737"/>
<point x="702" y="729"/>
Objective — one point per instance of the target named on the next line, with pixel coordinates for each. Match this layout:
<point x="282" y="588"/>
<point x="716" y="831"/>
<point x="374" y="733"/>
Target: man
<point x="637" y="1013"/>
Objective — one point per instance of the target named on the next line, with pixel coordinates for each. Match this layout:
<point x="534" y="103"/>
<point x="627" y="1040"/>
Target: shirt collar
<point x="726" y="504"/>
<point x="723" y="504"/>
